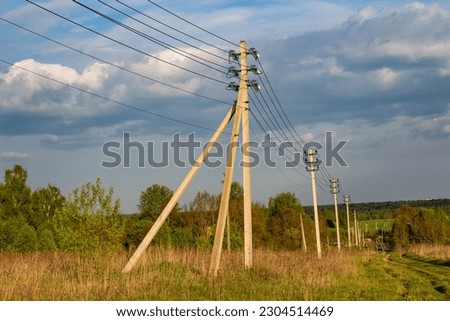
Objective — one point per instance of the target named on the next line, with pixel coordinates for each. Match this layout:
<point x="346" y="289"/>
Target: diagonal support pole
<point x="225" y="197"/>
<point x="179" y="192"/>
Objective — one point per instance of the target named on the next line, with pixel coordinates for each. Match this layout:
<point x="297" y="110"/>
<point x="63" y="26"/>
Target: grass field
<point x="165" y="274"/>
<point x="369" y="227"/>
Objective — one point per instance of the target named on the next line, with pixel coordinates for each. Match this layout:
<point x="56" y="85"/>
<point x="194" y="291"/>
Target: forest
<point x="90" y="217"/>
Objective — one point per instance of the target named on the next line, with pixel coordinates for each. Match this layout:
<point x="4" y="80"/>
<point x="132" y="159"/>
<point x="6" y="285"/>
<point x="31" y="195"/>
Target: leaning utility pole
<point x="312" y="167"/>
<point x="178" y="193"/>
<point x="347" y="200"/>
<point x="335" y="190"/>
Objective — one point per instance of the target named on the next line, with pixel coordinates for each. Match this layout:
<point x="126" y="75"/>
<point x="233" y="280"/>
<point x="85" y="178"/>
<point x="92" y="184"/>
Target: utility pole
<point x="305" y="248"/>
<point x="356" y="229"/>
<point x="347" y="200"/>
<point x="335" y="190"/>
<point x="241" y="119"/>
<point x="240" y="113"/>
<point x="312" y="167"/>
<point x="246" y="159"/>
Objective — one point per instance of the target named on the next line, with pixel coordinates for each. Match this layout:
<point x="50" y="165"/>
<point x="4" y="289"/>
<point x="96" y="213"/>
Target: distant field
<point x="182" y="275"/>
<point x="369" y="227"/>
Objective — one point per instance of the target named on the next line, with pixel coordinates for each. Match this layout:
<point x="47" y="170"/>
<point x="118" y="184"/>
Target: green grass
<point x="174" y="275"/>
<point x="369" y="227"/>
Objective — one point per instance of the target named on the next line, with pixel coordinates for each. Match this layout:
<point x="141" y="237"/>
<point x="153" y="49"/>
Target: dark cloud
<point x="379" y="64"/>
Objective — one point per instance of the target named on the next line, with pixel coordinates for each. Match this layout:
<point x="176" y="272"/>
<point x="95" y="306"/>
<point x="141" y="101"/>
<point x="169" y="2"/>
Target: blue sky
<point x="375" y="73"/>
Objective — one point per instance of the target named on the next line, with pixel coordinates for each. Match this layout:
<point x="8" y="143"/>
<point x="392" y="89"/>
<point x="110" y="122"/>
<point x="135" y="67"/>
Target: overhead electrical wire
<point x="106" y="98"/>
<point x="161" y="43"/>
<point x="126" y="45"/>
<point x="278" y="106"/>
<point x="277" y="146"/>
<point x="179" y="31"/>
<point x="193" y="24"/>
<point x="113" y="64"/>
<point x="282" y="172"/>
<point x="263" y="101"/>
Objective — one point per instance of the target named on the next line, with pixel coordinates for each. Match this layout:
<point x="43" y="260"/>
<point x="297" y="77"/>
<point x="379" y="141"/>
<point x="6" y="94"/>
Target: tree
<point x="153" y="200"/>
<point x="15" y="194"/>
<point x="9" y="229"/>
<point x="421" y="225"/>
<point x="261" y="235"/>
<point x="46" y="241"/>
<point x="26" y="240"/>
<point x="90" y="219"/>
<point x="236" y="206"/>
<point x="284" y="221"/>
<point x="203" y="214"/>
<point x="45" y="203"/>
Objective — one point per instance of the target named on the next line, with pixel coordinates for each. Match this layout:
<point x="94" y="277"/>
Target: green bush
<point x="46" y="241"/>
<point x="26" y="240"/>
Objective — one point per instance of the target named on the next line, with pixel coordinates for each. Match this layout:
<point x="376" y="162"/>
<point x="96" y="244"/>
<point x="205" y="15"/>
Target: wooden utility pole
<point x="312" y="168"/>
<point x="347" y="200"/>
<point x="335" y="190"/>
<point x="179" y="192"/>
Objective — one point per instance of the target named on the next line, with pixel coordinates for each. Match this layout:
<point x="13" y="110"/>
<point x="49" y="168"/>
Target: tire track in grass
<point x="438" y="276"/>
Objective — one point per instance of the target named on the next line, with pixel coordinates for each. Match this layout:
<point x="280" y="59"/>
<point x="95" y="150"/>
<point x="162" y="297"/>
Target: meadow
<point x="422" y="273"/>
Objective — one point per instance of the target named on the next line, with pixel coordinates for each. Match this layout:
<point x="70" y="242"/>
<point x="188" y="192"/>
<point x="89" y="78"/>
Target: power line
<point x="276" y="136"/>
<point x="281" y="171"/>
<point x="163" y="44"/>
<point x="106" y="98"/>
<point x="125" y="45"/>
<point x="269" y="90"/>
<point x="177" y="30"/>
<point x="193" y="24"/>
<point x="286" y="121"/>
<point x="113" y="64"/>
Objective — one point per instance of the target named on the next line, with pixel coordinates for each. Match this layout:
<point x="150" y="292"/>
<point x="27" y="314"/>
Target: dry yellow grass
<point x="438" y="251"/>
<point x="169" y="274"/>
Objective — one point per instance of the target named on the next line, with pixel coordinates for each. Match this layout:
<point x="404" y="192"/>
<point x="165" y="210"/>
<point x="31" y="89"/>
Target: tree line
<point x="90" y="217"/>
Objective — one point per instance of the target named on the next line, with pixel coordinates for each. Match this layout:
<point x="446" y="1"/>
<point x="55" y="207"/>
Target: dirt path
<point x="433" y="272"/>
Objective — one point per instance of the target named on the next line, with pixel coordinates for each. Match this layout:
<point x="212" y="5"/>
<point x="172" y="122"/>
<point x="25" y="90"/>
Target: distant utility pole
<point x="347" y="200"/>
<point x="305" y="248"/>
<point x="335" y="190"/>
<point x="356" y="229"/>
<point x="312" y="167"/>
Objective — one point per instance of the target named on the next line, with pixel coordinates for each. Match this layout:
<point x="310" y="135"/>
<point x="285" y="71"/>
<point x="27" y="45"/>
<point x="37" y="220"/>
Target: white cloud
<point x="386" y="76"/>
<point x="35" y="87"/>
<point x="14" y="156"/>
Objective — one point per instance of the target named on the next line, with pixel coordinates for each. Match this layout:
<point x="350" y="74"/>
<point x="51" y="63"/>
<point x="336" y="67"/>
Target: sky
<point x="374" y="74"/>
